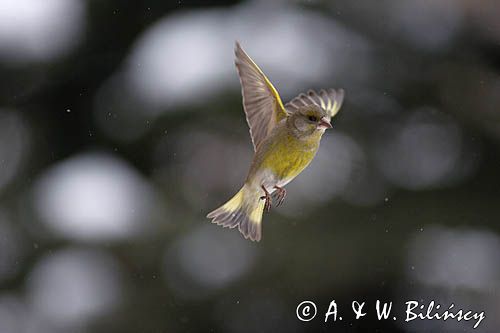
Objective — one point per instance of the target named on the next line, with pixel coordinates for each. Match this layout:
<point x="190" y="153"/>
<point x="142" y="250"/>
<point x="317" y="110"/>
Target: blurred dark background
<point x="121" y="126"/>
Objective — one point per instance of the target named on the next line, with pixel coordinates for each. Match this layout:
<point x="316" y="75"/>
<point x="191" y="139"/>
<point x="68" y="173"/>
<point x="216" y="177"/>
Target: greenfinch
<point x="285" y="140"/>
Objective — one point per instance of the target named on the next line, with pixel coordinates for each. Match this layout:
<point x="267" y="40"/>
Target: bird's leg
<point x="280" y="195"/>
<point x="267" y="197"/>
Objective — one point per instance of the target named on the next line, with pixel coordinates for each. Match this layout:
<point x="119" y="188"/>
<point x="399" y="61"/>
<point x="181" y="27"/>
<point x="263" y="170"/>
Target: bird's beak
<point x="324" y="123"/>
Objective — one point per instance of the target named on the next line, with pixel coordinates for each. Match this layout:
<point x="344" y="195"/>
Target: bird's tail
<point x="244" y="211"/>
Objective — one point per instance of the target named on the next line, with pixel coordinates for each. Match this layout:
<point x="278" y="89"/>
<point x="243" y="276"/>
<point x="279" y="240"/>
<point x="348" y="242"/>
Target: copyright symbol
<point x="306" y="311"/>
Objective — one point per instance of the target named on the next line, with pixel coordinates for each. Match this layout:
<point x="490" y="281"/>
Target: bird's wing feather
<point x="330" y="100"/>
<point x="262" y="103"/>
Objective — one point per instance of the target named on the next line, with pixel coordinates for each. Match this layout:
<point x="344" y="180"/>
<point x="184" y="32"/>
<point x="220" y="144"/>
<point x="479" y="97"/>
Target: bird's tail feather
<point x="244" y="211"/>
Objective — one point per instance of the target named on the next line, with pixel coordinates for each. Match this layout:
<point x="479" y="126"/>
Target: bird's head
<point x="310" y="119"/>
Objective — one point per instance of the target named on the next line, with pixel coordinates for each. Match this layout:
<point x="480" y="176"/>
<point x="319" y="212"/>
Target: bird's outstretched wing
<point x="330" y="100"/>
<point x="262" y="103"/>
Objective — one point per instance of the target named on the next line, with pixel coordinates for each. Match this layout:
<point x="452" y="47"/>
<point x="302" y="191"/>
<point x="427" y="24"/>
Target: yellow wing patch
<point x="261" y="101"/>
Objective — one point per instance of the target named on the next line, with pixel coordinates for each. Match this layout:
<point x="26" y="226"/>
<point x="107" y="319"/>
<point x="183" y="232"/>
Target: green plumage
<point x="285" y="139"/>
<point x="285" y="154"/>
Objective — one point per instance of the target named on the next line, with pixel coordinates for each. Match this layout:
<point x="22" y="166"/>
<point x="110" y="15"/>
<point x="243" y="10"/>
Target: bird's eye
<point x="312" y="118"/>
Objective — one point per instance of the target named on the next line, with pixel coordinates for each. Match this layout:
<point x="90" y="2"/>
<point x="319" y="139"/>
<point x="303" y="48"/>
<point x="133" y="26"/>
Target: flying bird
<point x="285" y="140"/>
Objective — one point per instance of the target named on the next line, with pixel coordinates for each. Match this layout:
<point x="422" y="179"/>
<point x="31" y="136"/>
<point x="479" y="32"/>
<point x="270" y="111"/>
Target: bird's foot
<point x="267" y="197"/>
<point x="281" y="194"/>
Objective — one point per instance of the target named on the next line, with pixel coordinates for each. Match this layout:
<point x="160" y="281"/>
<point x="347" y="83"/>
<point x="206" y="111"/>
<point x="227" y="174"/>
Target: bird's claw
<point x="267" y="197"/>
<point x="281" y="194"/>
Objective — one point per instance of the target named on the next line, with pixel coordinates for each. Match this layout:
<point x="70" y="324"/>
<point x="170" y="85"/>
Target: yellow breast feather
<point x="286" y="158"/>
